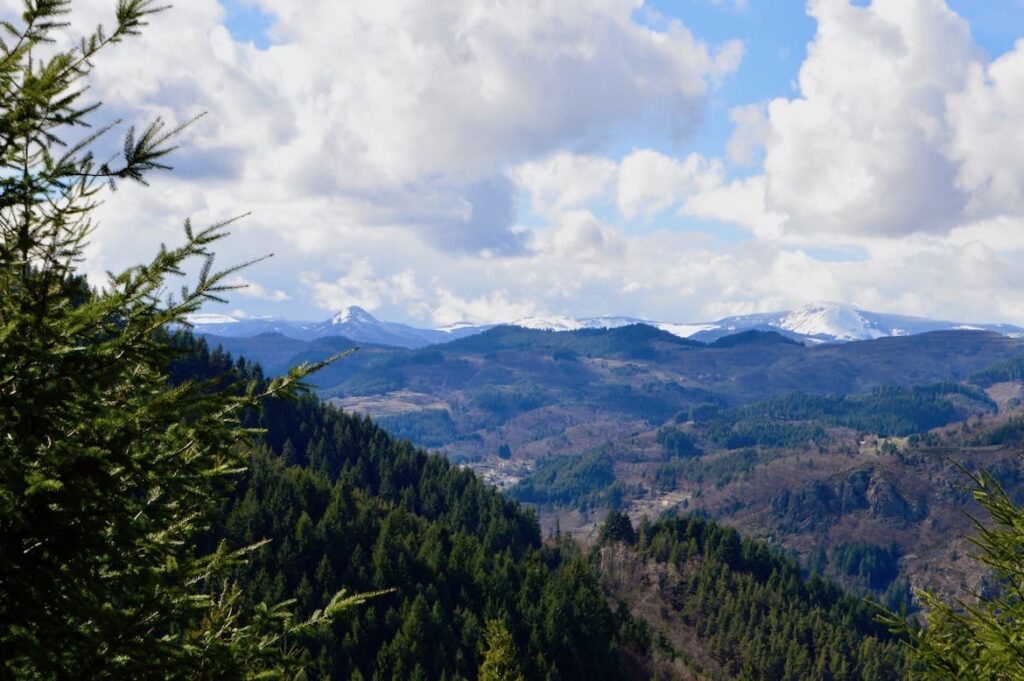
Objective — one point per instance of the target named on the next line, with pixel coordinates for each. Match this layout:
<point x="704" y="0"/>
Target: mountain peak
<point x="815" y="322"/>
<point x="353" y="313"/>
<point x="837" y="321"/>
<point x="829" y="305"/>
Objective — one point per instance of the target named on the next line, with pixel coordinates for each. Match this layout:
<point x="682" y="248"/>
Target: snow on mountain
<point x="823" y="322"/>
<point x="354" y="315"/>
<point x="815" y="323"/>
<point x="225" y="325"/>
<point x="354" y="323"/>
<point x="459" y="327"/>
<point x="361" y="326"/>
<point x="837" y="322"/>
<point x="683" y="330"/>
<point x="827" y="322"/>
<point x="562" y="323"/>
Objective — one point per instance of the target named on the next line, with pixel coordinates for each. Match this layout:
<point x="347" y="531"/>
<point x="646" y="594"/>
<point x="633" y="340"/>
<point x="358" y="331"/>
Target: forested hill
<point x="727" y="607"/>
<point x="347" y="506"/>
<point x="545" y="393"/>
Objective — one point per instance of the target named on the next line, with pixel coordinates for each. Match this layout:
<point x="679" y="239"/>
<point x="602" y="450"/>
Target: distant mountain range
<point x="812" y="324"/>
<point x="354" y="323"/>
<point x="827" y="444"/>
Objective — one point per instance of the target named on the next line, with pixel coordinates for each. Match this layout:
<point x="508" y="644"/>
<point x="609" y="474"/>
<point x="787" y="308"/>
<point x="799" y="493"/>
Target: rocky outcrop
<point x="820" y="503"/>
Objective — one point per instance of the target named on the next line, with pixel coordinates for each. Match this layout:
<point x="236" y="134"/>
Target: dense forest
<point x="576" y="481"/>
<point x="799" y="418"/>
<point x="346" y="505"/>
<point x="749" y="607"/>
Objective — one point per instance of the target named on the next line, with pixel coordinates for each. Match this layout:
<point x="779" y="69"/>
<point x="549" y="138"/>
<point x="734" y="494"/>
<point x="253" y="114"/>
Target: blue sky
<point x="441" y="160"/>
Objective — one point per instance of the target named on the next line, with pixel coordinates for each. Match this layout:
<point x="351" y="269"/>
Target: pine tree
<point x="501" y="657"/>
<point x="979" y="637"/>
<point x="108" y="470"/>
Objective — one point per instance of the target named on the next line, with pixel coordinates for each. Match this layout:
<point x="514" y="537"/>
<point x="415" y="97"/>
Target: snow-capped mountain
<point x="837" y="323"/>
<point x="823" y="322"/>
<point x="562" y="323"/>
<point x="235" y="327"/>
<point x="354" y="323"/>
<point x="814" y="323"/>
<point x="361" y="326"/>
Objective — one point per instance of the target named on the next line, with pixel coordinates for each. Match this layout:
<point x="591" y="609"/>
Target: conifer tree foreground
<point x="107" y="471"/>
<point x="979" y="636"/>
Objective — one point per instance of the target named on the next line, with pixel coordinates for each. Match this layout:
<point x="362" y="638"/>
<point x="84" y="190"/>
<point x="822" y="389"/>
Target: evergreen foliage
<point x="978" y="636"/>
<point x="754" y="612"/>
<point x="875" y="565"/>
<point x="798" y="418"/>
<point x="501" y="661"/>
<point x="355" y="508"/>
<point x="427" y="428"/>
<point x="1008" y="370"/>
<point x="719" y="470"/>
<point x="1009" y="432"/>
<point x="580" y="481"/>
<point x="617" y="527"/>
<point x="677" y="443"/>
<point x="107" y="471"/>
<point x="634" y="341"/>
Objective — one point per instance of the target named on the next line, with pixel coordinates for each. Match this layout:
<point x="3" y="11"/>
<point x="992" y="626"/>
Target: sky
<point x="438" y="161"/>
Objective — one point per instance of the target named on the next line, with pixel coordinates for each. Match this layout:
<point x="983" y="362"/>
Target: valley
<point x="497" y="341"/>
<point x="814" y="449"/>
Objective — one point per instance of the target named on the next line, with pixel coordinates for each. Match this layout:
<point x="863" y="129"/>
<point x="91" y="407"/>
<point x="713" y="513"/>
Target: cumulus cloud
<point x="740" y="202"/>
<point x="749" y="134"/>
<point x="579" y="236"/>
<point x="362" y="286"/>
<point x="565" y="181"/>
<point x="385" y="150"/>
<point x="650" y="182"/>
<point x="861" y="151"/>
<point x="251" y="289"/>
<point x="902" y="126"/>
<point x="494" y="307"/>
<point x="407" y="112"/>
<point x="988" y="138"/>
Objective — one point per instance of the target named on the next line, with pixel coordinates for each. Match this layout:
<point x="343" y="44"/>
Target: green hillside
<point x="727" y="607"/>
<point x="346" y="505"/>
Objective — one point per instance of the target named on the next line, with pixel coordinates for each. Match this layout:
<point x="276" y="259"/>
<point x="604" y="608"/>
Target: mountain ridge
<point x="815" y="323"/>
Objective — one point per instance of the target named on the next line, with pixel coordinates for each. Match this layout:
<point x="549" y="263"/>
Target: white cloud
<point x="988" y="138"/>
<point x="749" y="134"/>
<point x="250" y="289"/>
<point x="861" y="151"/>
<point x="650" y="182"/>
<point x="579" y="236"/>
<point x="385" y="147"/>
<point x="363" y="287"/>
<point x="565" y="181"/>
<point x="740" y="202"/>
<point x="494" y="307"/>
<point x="407" y="112"/>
